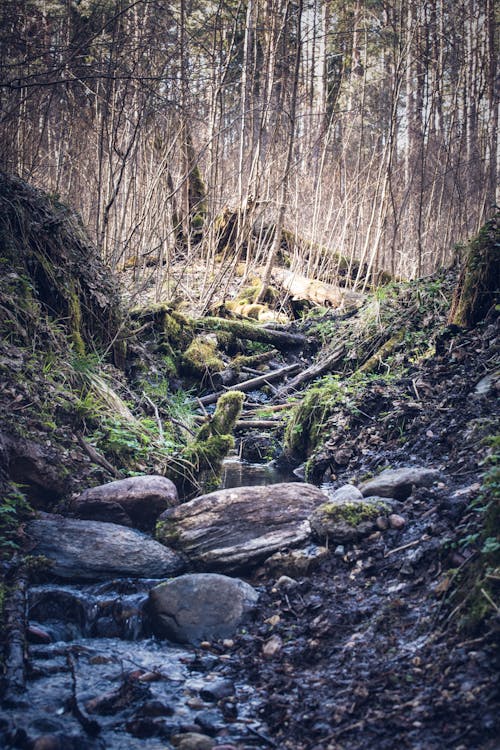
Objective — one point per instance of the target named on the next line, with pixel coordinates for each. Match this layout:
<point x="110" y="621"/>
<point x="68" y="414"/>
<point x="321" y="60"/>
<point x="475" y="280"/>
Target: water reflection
<point x="237" y="473"/>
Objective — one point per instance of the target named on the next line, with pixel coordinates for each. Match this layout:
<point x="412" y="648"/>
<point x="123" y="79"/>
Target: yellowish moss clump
<point x="201" y="357"/>
<point x="353" y="513"/>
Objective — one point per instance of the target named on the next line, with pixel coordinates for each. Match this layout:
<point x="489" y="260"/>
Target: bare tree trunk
<point x="286" y="173"/>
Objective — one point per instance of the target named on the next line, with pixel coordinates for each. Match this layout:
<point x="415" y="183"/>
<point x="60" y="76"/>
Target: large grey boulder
<point x="90" y="550"/>
<point x="200" y="606"/>
<point x="398" y="483"/>
<point x="233" y="529"/>
<point x="135" y="501"/>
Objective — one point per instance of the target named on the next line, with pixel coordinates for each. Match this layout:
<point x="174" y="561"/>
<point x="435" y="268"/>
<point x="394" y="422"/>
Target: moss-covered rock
<point x="347" y="521"/>
<point x="212" y="443"/>
<point x="306" y="426"/>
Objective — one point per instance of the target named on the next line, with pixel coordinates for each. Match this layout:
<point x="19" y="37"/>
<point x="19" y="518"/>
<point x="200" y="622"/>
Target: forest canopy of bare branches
<point x="195" y="130"/>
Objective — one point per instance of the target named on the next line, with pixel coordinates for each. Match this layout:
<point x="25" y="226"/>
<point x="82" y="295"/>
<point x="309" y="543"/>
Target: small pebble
<point x="35" y="634"/>
<point x="339" y="550"/>
<point x="195" y="703"/>
<point x="286" y="582"/>
<point x="228" y="643"/>
<point x="272" y="647"/>
<point x="396" y="521"/>
<point x="217" y="690"/>
<point x="150" y="677"/>
<point x="192" y="741"/>
<point x="382" y="523"/>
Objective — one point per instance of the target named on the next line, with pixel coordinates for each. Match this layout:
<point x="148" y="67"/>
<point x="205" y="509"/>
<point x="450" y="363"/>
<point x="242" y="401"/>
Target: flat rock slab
<point x="200" y="606"/>
<point x="346" y="493"/>
<point x="90" y="550"/>
<point x="398" y="483"/>
<point x="234" y="529"/>
<point x="135" y="501"/>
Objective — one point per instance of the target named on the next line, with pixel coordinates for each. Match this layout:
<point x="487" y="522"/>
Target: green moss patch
<point x="201" y="358"/>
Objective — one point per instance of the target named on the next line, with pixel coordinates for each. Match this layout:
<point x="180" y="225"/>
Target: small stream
<point x="93" y="642"/>
<point x="237" y="473"/>
<point x="137" y="691"/>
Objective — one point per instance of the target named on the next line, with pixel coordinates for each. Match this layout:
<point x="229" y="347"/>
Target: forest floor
<point x="375" y="649"/>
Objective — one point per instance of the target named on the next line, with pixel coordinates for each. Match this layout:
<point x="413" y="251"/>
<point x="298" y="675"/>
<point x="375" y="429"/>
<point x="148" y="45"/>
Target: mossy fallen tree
<point x="279" y="339"/>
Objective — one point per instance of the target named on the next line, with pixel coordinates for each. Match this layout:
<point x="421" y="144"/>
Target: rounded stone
<point x="134" y="501"/>
<point x="200" y="606"/>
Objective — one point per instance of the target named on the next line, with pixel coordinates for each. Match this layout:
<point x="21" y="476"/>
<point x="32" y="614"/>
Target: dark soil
<point x="378" y="647"/>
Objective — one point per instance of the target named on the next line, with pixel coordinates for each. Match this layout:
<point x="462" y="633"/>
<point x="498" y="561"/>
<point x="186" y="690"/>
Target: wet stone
<point x="396" y="521"/>
<point x="90" y="550"/>
<point x="346" y="493"/>
<point x="36" y="634"/>
<point x="297" y="562"/>
<point x="135" y="501"/>
<point x="217" y="690"/>
<point x="197" y="607"/>
<point x="398" y="483"/>
<point x="210" y="721"/>
<point x="343" y="521"/>
<point x="192" y="741"/>
<point x="236" y="528"/>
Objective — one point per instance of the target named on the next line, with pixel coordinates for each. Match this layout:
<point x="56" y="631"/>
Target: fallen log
<point x="249" y="385"/>
<point x="243" y="330"/>
<point x="315" y="370"/>
<point x="266" y="407"/>
<point x="311" y="290"/>
<point x="239" y="364"/>
<point x="224" y="378"/>
<point x="251" y="360"/>
<point x="257" y="424"/>
<point x="384" y="351"/>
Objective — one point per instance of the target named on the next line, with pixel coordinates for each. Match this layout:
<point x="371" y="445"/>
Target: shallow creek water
<point x="236" y="473"/>
<point x="138" y="690"/>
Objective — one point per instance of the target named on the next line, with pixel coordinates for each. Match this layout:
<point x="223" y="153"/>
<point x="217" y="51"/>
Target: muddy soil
<point x="375" y="649"/>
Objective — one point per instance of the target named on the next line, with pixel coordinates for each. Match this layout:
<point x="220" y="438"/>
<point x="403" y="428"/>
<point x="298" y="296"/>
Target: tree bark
<point x="314" y="371"/>
<point x="279" y="339"/>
